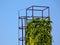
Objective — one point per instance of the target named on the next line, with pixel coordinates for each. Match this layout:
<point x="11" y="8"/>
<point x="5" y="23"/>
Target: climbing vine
<point x="38" y="32"/>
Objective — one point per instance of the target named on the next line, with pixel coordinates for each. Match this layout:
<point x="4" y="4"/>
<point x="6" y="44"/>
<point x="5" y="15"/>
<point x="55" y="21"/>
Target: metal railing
<point x="25" y="18"/>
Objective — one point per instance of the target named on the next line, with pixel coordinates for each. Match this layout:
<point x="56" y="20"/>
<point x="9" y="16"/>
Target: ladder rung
<point x="22" y="39"/>
<point x="24" y="27"/>
<point x="24" y="17"/>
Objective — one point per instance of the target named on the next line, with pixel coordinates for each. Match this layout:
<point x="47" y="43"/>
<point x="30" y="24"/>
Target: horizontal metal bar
<point x="45" y="9"/>
<point x="41" y="6"/>
<point x="29" y="7"/>
<point x="24" y="17"/>
<point x="36" y="10"/>
<point x="37" y="6"/>
<point x="21" y="39"/>
<point x="24" y="27"/>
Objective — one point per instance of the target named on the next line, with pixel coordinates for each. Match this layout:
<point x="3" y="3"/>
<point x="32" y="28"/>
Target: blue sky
<point x="9" y="19"/>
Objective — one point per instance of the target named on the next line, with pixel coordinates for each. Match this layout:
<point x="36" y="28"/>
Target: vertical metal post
<point x="18" y="27"/>
<point x="48" y="12"/>
<point x="22" y="30"/>
<point x="25" y="25"/>
<point x="25" y="31"/>
<point x="32" y="13"/>
<point x="26" y="14"/>
<point x="42" y="13"/>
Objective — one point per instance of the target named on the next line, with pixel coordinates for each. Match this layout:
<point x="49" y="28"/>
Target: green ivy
<point x="38" y="32"/>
